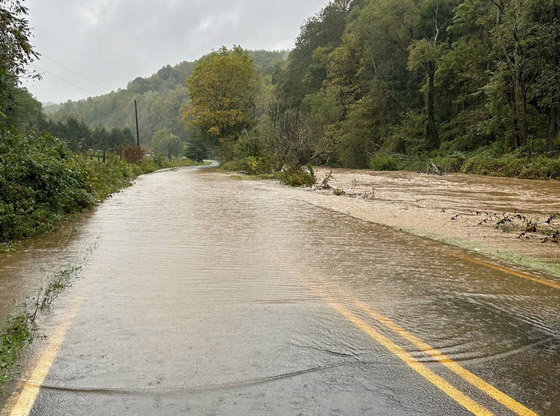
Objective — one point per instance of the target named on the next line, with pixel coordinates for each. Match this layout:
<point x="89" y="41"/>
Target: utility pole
<point x="137" y="130"/>
<point x="169" y="146"/>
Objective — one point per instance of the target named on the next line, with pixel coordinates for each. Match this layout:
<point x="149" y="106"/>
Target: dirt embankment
<point x="509" y="219"/>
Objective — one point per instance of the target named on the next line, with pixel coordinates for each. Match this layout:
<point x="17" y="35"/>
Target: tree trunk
<point x="432" y="135"/>
<point x="514" y="106"/>
<point x="552" y="128"/>
<point x="522" y="88"/>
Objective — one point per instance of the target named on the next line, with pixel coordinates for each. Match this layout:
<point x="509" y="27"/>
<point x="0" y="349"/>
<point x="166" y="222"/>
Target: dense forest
<point x="383" y="79"/>
<point x="473" y="85"/>
<point x="462" y="85"/>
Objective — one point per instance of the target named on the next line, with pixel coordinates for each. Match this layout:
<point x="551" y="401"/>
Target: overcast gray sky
<point x="91" y="47"/>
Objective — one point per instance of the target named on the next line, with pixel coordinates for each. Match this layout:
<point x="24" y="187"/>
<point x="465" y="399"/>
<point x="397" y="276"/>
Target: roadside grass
<point x="550" y="268"/>
<point x="18" y="331"/>
<point x="13" y="338"/>
<point x="488" y="161"/>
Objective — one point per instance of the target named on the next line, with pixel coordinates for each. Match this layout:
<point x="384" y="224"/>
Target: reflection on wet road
<point x="208" y="296"/>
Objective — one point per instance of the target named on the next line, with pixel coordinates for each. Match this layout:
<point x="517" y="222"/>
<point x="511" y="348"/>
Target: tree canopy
<point x="165" y="143"/>
<point x="16" y="52"/>
<point x="222" y="89"/>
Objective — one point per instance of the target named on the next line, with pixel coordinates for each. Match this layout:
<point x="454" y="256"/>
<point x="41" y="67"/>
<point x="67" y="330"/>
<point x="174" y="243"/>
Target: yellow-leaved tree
<point x="222" y="90"/>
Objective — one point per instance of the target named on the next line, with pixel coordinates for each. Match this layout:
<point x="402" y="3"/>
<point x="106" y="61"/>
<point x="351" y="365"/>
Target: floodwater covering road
<point x="200" y="294"/>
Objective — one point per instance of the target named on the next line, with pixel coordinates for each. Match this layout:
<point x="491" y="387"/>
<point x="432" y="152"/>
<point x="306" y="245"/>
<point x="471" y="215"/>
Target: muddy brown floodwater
<point x="202" y="294"/>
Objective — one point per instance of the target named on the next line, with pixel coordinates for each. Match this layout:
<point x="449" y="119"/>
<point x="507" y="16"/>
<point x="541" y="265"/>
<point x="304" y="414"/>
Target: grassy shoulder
<point x="42" y="182"/>
<point x="518" y="259"/>
<point x="18" y="332"/>
<point x="259" y="168"/>
<point x="484" y="161"/>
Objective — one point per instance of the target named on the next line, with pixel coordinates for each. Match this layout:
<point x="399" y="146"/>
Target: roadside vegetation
<point x="50" y="170"/>
<point x="17" y="332"/>
<point x="42" y="181"/>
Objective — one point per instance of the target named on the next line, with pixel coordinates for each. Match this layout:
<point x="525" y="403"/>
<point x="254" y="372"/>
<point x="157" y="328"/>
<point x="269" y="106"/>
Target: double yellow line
<point x="446" y="387"/>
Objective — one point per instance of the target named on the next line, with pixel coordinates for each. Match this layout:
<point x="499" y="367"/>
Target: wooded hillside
<point x="160" y="98"/>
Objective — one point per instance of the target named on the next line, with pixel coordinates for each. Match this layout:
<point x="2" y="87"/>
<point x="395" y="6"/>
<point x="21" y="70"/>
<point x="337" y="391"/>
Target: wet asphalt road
<point x="202" y="295"/>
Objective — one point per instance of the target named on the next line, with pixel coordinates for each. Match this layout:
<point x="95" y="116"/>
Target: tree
<point x="522" y="42"/>
<point x="166" y="143"/>
<point x="195" y="149"/>
<point x="16" y="51"/>
<point x="425" y="57"/>
<point x="24" y="113"/>
<point x="222" y="93"/>
<point x="305" y="70"/>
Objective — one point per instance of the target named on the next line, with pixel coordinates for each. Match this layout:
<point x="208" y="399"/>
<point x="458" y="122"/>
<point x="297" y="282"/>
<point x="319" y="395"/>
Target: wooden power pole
<point x="137" y="130"/>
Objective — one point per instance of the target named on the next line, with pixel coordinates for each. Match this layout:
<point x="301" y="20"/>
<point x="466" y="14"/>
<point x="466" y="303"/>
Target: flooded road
<point x="204" y="295"/>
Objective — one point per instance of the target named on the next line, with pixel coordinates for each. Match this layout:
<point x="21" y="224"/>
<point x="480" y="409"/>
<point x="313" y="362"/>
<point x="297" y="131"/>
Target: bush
<point x="132" y="154"/>
<point x="250" y="165"/>
<point x="515" y="164"/>
<point x="38" y="185"/>
<point x="451" y="163"/>
<point x="383" y="162"/>
<point x="297" y="176"/>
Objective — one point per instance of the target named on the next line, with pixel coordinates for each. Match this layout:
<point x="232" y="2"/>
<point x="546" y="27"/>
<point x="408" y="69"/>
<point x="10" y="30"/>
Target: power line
<point x="74" y="72"/>
<point x="63" y="80"/>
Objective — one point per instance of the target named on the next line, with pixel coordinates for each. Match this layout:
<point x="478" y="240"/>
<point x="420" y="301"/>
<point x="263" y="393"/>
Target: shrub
<point x="132" y="154"/>
<point x="38" y="185"/>
<point x="41" y="181"/>
<point x="383" y="162"/>
<point x="251" y="165"/>
<point x="297" y="176"/>
<point x="451" y="163"/>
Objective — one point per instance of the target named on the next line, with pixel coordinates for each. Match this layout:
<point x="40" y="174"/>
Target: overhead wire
<point x="74" y="72"/>
<point x="62" y="79"/>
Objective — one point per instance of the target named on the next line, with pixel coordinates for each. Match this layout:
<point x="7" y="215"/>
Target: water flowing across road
<point x="200" y="294"/>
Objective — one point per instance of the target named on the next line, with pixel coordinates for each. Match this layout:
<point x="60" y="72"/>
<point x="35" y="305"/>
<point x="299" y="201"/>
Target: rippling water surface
<point x="210" y="296"/>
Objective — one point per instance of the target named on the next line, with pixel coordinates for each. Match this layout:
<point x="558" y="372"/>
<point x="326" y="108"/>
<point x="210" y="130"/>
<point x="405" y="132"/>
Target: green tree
<point x="196" y="149"/>
<point x="515" y="45"/>
<point x="166" y="143"/>
<point x="425" y="56"/>
<point x="222" y="91"/>
<point x="16" y="51"/>
<point x="305" y="69"/>
<point x="24" y="113"/>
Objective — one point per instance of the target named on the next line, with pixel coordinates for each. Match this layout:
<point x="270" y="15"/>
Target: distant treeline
<point x="159" y="97"/>
<point x="469" y="85"/>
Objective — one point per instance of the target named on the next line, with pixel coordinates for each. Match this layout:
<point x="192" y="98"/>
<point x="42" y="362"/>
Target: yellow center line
<point x="466" y="375"/>
<point x="506" y="270"/>
<point x="23" y="398"/>
<point x="465" y="401"/>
